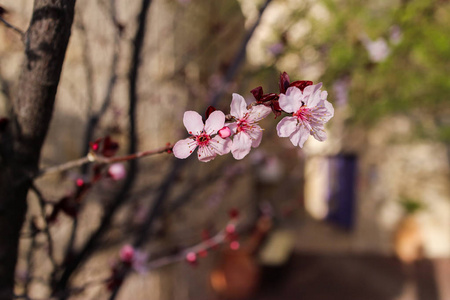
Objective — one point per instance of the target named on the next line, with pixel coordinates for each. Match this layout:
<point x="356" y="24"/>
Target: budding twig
<point x="9" y="25"/>
<point x="218" y="239"/>
<point x="92" y="157"/>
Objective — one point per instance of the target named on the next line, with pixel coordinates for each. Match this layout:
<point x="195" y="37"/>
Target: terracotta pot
<point x="408" y="241"/>
<point x="237" y="276"/>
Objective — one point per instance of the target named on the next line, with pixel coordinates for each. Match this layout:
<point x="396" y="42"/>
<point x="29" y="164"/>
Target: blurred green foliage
<point x="411" y="206"/>
<point x="413" y="79"/>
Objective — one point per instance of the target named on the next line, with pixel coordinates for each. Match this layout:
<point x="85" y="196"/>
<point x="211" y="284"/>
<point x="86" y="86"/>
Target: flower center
<point x="202" y="139"/>
<point x="242" y="124"/>
<point x="303" y="113"/>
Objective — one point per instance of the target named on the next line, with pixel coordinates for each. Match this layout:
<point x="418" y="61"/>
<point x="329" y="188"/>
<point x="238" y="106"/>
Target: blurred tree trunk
<point x="45" y="45"/>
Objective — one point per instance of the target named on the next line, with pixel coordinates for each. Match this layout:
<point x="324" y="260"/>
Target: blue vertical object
<point x="342" y="187"/>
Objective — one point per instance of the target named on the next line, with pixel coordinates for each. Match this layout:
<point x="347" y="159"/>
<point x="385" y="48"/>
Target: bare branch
<point x="42" y="202"/>
<point x="239" y="58"/>
<point x="9" y="25"/>
<point x="92" y="157"/>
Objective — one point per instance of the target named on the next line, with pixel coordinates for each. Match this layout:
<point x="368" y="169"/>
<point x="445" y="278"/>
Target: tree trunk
<point x="45" y="45"/>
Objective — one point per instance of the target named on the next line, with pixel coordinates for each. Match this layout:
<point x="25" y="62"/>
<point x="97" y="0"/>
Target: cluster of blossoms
<point x="304" y="103"/>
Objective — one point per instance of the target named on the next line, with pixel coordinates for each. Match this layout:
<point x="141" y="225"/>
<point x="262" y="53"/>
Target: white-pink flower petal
<point x="287" y="126"/>
<point x="257" y="113"/>
<point x="206" y="153"/>
<point x="311" y="89"/>
<point x="238" y="107"/>
<point x="255" y="135"/>
<point x="291" y="101"/>
<point x="319" y="134"/>
<point x="183" y="148"/>
<point x="215" y="122"/>
<point x="242" y="145"/>
<point x="299" y="137"/>
<point x="221" y="146"/>
<point x="193" y="122"/>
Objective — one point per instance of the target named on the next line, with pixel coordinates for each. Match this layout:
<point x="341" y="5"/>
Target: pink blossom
<point x="234" y="245"/>
<point x="378" y="50"/>
<point x="276" y="49"/>
<point x="204" y="136"/>
<point x="127" y="253"/>
<point x="117" y="171"/>
<point x="310" y="111"/>
<point x="248" y="133"/>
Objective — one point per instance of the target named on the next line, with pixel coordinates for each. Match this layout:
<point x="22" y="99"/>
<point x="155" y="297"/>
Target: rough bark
<point x="45" y="45"/>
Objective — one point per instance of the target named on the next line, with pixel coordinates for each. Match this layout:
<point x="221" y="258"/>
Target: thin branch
<point x="89" y="72"/>
<point x="9" y="25"/>
<point x="95" y="117"/>
<point x="133" y="168"/>
<point x="30" y="259"/>
<point x="4" y="88"/>
<point x="144" y="232"/>
<point x="218" y="239"/>
<point x="91" y="157"/>
<point x="42" y="202"/>
<point x="239" y="58"/>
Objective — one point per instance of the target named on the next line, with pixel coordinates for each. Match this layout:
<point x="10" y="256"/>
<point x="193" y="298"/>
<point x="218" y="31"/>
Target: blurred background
<point x="364" y="215"/>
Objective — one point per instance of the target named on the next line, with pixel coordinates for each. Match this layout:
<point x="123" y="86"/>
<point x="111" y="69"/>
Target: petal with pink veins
<point x="259" y="112"/>
<point x="206" y="153"/>
<point x="221" y="146"/>
<point x="311" y="89"/>
<point x="319" y="134"/>
<point x="183" y="148"/>
<point x="255" y="135"/>
<point x="238" y="107"/>
<point x="299" y="137"/>
<point x="292" y="100"/>
<point x="215" y="122"/>
<point x="241" y="145"/>
<point x="287" y="126"/>
<point x="193" y="122"/>
<point x="233" y="127"/>
<point x="313" y="99"/>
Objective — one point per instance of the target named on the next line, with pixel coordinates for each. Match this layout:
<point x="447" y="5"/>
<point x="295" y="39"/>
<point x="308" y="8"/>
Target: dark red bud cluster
<point x="70" y="205"/>
<point x="271" y="99"/>
<point x="105" y="146"/>
<point x="285" y="83"/>
<point x="209" y="111"/>
<point x="117" y="276"/>
<point x="233" y="213"/>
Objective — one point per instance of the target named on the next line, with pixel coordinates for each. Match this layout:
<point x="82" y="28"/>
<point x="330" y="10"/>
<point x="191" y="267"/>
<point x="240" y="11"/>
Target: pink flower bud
<point x="127" y="253"/>
<point x="117" y="171"/>
<point x="230" y="229"/>
<point x="234" y="245"/>
<point x="224" y="132"/>
<point x="79" y="182"/>
<point x="191" y="258"/>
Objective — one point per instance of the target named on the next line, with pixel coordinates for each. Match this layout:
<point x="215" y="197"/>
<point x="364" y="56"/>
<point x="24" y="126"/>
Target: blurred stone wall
<point x="188" y="46"/>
